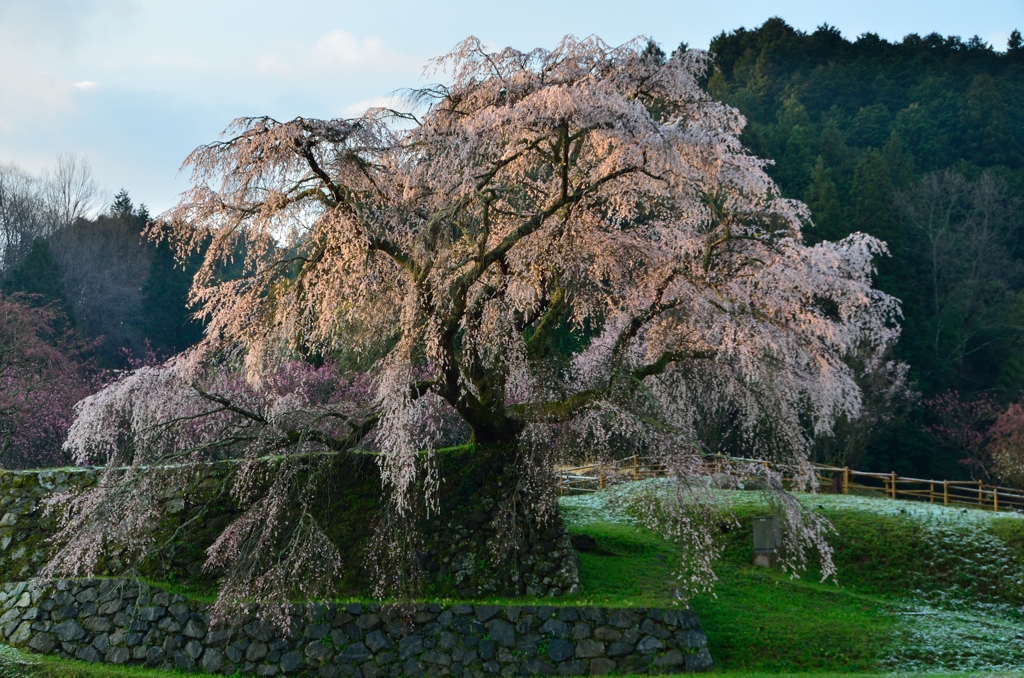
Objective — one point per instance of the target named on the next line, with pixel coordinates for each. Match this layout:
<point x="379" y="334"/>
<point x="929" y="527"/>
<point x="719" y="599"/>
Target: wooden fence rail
<point x="597" y="476"/>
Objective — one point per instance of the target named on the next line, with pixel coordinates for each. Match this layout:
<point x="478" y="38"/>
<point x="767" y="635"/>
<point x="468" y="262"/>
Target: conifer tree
<point x="39" y="275"/>
<point x="823" y="200"/>
<point x="1015" y="45"/>
<point x="898" y="161"/>
<point x="800" y="150"/>
<point x="165" y="319"/>
<point x="122" y="207"/>
<point x="871" y="200"/>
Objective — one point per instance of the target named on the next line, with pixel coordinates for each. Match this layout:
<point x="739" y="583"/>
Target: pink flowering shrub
<point x="42" y="376"/>
<point x="963" y="425"/>
<point x="1006" y="446"/>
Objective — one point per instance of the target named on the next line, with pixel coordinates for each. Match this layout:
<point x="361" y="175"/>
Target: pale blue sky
<point x="136" y="85"/>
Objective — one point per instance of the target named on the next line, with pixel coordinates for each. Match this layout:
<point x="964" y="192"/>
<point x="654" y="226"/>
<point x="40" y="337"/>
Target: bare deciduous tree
<point x="69" y="192"/>
<point x="963" y="236"/>
<point x="42" y="207"/>
<point x="21" y="215"/>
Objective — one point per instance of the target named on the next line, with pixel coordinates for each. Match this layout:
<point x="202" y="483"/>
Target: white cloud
<point x="394" y="102"/>
<point x="37" y="41"/>
<point x="338" y="51"/>
<point x="343" y="49"/>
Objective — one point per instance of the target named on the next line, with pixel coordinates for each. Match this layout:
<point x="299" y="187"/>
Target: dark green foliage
<point x="38" y="274"/>
<point x="947" y="99"/>
<point x="166" y="320"/>
<point x="853" y="123"/>
<point x="823" y="198"/>
<point x="122" y="208"/>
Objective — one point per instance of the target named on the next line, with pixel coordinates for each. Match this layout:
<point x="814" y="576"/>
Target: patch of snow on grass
<point x="595" y="507"/>
<point x="931" y="638"/>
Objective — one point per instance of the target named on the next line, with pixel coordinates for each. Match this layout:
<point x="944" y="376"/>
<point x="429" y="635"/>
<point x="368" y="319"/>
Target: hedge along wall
<point x="120" y="622"/>
<point x="456" y="553"/>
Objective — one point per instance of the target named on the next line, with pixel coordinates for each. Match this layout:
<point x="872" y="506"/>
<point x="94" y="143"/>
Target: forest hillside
<point x="920" y="143"/>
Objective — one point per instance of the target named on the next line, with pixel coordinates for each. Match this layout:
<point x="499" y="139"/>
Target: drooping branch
<point x="229" y="405"/>
<point x="558" y="411"/>
<point x="539" y="343"/>
<point x="292" y="436"/>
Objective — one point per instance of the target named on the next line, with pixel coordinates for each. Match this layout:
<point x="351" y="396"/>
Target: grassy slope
<point x="920" y="588"/>
<point x="756" y="620"/>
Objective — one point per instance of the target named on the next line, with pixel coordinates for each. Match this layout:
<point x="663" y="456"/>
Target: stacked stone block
<point x="23" y="527"/>
<point x="121" y="622"/>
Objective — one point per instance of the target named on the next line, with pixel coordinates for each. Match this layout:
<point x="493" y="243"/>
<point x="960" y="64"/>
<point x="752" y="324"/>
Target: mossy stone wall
<point x="457" y="554"/>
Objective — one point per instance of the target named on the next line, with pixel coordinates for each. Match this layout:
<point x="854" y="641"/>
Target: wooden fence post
<point x="893" y="475"/>
<point x="981" y="488"/>
<point x="931" y="493"/>
<point x="846" y="480"/>
<point x="945" y="493"/>
<point x="995" y="498"/>
<point x="636" y="469"/>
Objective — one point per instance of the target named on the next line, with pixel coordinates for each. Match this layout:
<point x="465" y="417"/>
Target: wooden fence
<point x="947" y="492"/>
<point x="976" y="493"/>
<point x="594" y="477"/>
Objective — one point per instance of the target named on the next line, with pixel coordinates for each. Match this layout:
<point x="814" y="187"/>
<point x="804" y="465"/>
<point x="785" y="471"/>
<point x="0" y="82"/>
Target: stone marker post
<point x="767" y="541"/>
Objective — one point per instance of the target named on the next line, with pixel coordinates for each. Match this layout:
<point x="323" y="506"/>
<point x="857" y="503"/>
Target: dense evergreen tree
<point x="123" y="208"/>
<point x="166" y="320"/>
<point x="39" y="275"/>
<point x="823" y="199"/>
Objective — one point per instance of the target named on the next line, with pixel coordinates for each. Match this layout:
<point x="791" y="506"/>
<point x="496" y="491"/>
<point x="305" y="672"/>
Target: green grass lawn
<point x="13" y="667"/>
<point x="14" y="664"/>
<point x="756" y="620"/>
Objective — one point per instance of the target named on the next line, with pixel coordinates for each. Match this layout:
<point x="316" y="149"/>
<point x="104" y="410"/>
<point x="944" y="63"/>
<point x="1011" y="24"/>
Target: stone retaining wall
<point x="122" y="622"/>
<point x="456" y="557"/>
<point x="23" y="528"/>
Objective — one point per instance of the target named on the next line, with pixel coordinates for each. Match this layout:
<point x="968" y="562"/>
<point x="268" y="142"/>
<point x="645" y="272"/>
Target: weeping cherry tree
<point x="563" y="253"/>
